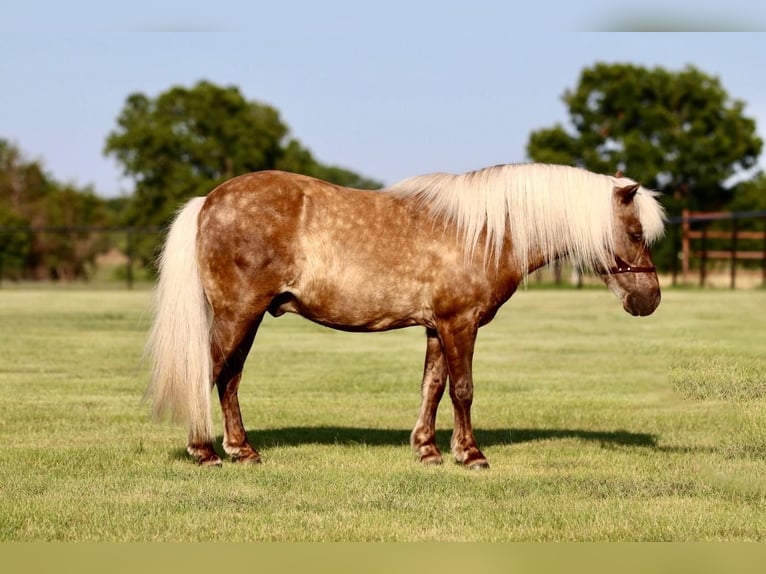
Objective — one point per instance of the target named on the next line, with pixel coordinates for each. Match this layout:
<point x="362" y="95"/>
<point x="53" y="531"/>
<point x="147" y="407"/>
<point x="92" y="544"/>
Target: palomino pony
<point x="440" y="251"/>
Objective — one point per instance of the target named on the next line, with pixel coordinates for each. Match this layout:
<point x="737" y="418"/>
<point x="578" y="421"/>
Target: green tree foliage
<point x="14" y="243"/>
<point x="69" y="255"/>
<point x="29" y="198"/>
<point x="187" y="140"/>
<point x="677" y="132"/>
<point x="750" y="195"/>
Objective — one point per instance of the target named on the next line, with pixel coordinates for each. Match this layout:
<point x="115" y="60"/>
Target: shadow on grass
<point x="334" y="435"/>
<point x="296" y="436"/>
<point x="292" y="436"/>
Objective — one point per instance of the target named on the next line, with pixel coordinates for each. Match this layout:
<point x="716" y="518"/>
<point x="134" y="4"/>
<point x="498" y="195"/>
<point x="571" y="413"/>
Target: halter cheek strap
<point x="622" y="266"/>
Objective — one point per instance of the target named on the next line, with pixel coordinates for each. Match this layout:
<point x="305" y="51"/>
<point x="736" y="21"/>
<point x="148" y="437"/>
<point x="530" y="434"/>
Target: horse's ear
<point x="619" y="174"/>
<point x="627" y="193"/>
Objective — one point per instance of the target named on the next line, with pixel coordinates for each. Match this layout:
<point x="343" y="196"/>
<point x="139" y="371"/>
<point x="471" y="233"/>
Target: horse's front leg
<point x="423" y="437"/>
<point x="458" y="338"/>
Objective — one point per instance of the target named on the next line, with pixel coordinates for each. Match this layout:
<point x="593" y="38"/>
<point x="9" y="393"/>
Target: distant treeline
<point x="676" y="132"/>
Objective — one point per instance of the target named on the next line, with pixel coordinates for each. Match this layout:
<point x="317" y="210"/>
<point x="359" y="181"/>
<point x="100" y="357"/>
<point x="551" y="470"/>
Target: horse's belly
<point x="374" y="310"/>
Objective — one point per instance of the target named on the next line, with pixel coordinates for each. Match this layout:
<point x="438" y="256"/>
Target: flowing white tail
<point x="179" y="341"/>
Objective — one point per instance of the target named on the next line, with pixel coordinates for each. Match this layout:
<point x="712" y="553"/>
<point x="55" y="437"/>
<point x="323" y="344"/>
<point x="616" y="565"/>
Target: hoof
<point x="473" y="459"/>
<point x="204" y="454"/>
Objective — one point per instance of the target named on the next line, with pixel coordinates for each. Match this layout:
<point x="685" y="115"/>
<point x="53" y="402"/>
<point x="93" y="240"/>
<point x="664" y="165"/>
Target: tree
<point x="187" y="140"/>
<point x="750" y="195"/>
<point x="14" y="243"/>
<point x="68" y="255"/>
<point x="23" y="185"/>
<point x="30" y="198"/>
<point x="677" y="132"/>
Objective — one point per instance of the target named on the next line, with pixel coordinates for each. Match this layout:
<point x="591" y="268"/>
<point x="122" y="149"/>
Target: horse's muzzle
<point x="641" y="304"/>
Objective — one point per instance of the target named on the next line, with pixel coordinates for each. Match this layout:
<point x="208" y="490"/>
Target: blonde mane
<point x="549" y="209"/>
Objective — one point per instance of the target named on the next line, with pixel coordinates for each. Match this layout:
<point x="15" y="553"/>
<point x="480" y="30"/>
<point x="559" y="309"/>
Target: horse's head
<point x="638" y="221"/>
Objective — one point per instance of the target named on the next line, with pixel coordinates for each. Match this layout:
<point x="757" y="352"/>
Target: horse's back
<point x="337" y="255"/>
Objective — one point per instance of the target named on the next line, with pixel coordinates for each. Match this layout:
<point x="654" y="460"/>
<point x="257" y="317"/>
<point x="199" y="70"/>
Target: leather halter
<point x="624" y="267"/>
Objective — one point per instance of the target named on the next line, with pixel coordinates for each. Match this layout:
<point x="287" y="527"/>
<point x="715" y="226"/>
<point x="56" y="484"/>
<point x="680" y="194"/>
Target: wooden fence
<point x="707" y="236"/>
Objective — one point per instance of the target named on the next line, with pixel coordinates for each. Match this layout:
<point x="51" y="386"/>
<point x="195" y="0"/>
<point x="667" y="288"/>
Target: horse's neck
<point x="537" y="257"/>
<point x="539" y="261"/>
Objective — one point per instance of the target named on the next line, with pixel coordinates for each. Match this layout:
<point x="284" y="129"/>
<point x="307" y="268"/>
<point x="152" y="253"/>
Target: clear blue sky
<point x="389" y="89"/>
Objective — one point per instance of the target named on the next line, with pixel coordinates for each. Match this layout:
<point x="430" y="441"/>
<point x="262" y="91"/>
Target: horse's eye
<point x="636" y="237"/>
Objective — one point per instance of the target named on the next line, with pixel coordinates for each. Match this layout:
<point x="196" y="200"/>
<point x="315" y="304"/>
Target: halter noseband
<point x="624" y="267"/>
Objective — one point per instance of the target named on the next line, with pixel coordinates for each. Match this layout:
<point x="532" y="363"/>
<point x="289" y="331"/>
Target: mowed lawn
<point x="597" y="425"/>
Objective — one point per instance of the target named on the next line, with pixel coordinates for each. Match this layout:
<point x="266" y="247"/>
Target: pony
<point x="438" y="251"/>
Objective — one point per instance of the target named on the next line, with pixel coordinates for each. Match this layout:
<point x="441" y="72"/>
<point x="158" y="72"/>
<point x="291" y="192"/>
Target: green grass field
<point x="597" y="425"/>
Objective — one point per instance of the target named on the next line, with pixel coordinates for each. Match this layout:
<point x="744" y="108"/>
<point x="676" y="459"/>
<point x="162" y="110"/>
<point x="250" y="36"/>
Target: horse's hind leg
<point x="231" y="342"/>
<point x="423" y="437"/>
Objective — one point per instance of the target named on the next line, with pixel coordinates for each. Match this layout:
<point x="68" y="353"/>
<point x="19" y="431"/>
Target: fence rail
<point x="702" y="252"/>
